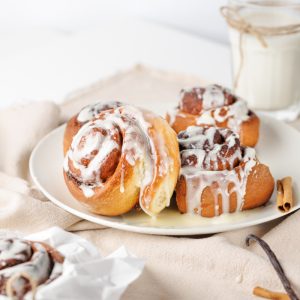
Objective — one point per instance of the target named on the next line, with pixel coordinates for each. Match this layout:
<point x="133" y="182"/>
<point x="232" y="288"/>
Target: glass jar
<point x="265" y="48"/>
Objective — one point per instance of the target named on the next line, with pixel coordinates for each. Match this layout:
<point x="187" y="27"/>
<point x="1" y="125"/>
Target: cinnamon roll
<point x="122" y="157"/>
<point x="26" y="265"/>
<point x="218" y="175"/>
<point x="215" y="106"/>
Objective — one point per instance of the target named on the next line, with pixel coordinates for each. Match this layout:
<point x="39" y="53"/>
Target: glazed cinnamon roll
<point x="215" y="106"/>
<point x="25" y="265"/>
<point x="218" y="175"/>
<point x="122" y="157"/>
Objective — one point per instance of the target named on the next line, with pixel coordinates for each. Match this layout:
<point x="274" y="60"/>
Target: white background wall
<point x="49" y="48"/>
<point x="198" y="17"/>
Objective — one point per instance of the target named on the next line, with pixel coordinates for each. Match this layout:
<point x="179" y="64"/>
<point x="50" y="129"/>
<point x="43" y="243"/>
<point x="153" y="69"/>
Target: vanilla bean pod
<point x="275" y="263"/>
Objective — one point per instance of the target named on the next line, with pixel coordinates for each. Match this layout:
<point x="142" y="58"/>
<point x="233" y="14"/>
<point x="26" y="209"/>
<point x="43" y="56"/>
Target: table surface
<point x="47" y="65"/>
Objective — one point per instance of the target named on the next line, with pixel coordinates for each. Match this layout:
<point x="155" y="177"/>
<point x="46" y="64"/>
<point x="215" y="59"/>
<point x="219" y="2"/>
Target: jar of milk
<point x="265" y="44"/>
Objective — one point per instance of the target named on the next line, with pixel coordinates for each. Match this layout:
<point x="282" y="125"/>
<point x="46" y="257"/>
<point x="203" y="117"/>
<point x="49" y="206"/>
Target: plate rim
<point x="188" y="231"/>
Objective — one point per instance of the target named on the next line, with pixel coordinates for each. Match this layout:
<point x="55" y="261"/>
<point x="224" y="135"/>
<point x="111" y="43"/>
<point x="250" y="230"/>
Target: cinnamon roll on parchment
<point x="215" y="106"/>
<point x="26" y="265"/>
<point x="218" y="175"/>
<point x="122" y="157"/>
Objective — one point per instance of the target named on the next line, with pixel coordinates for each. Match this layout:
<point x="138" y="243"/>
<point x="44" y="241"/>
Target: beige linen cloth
<point x="215" y="267"/>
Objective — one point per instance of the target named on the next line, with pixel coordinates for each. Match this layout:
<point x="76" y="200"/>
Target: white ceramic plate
<point x="279" y="148"/>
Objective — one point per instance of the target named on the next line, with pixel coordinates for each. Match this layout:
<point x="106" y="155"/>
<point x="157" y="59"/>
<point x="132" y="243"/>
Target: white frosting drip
<point x="213" y="96"/>
<point x="197" y="180"/>
<point x="172" y="113"/>
<point x="91" y="111"/>
<point x="137" y="145"/>
<point x="88" y="190"/>
<point x="15" y="249"/>
<point x="84" y="143"/>
<point x="206" y="119"/>
<point x="38" y="266"/>
<point x="193" y="137"/>
<point x="235" y="114"/>
<point x="202" y="147"/>
<point x="198" y="177"/>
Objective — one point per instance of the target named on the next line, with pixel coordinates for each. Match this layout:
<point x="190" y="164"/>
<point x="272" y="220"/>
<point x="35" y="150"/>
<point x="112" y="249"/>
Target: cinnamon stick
<point x="264" y="293"/>
<point x="285" y="199"/>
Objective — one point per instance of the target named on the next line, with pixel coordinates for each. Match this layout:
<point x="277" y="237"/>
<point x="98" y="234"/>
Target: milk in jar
<point x="270" y="76"/>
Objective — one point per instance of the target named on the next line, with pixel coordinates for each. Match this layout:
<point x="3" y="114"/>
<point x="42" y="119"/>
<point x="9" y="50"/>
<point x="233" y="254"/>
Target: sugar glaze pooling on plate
<point x="123" y="131"/>
<point x="206" y="162"/>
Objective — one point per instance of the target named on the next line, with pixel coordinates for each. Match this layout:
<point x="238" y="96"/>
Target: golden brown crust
<point x="260" y="186"/>
<point x="109" y="200"/>
<point x="72" y="128"/>
<point x="249" y="130"/>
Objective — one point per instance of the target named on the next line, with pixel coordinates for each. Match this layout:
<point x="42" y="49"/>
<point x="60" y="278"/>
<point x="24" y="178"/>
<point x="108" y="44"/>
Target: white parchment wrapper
<point x="86" y="274"/>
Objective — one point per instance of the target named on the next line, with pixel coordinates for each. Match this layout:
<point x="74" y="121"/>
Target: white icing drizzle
<point x="206" y="119"/>
<point x="137" y="145"/>
<point x="198" y="177"/>
<point x="85" y="144"/>
<point x="166" y="160"/>
<point x="194" y="137"/>
<point x="37" y="265"/>
<point x="235" y="114"/>
<point x="91" y="111"/>
<point x="172" y="113"/>
<point x="213" y="96"/>
<point x="14" y="249"/>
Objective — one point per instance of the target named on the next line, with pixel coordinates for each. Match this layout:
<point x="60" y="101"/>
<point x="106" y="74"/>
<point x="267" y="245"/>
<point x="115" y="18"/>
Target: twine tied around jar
<point x="236" y="21"/>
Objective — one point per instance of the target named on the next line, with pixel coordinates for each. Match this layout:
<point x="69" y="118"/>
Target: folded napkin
<point x="215" y="267"/>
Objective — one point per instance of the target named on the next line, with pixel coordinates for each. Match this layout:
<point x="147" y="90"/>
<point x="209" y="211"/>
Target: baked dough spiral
<point x="216" y="106"/>
<point x="218" y="175"/>
<point x="85" y="115"/>
<point x="25" y="265"/>
<point x="122" y="157"/>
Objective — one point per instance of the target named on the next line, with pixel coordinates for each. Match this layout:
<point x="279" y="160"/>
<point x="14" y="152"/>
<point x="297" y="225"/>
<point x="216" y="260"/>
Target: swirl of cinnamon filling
<point x="24" y="265"/>
<point x="209" y="148"/>
<point x="95" y="153"/>
<point x="197" y="99"/>
<point x="85" y="115"/>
